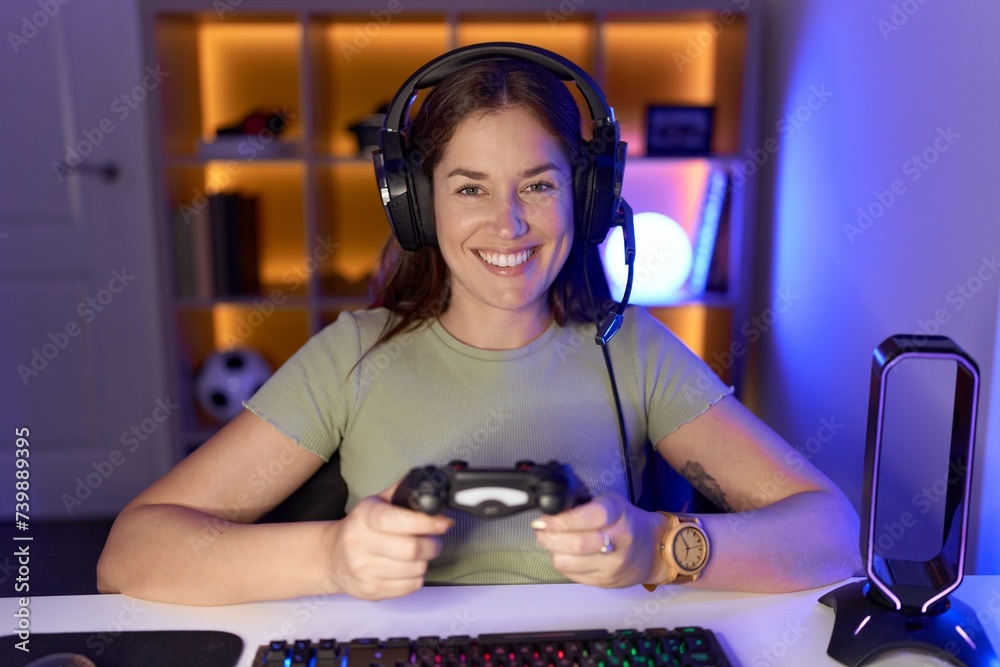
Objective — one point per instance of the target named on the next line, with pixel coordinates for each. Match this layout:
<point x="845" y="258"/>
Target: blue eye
<point x="469" y="190"/>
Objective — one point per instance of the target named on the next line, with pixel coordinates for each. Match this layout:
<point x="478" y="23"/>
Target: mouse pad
<point x="155" y="648"/>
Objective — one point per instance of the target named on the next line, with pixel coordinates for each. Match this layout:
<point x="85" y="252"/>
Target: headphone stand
<point x="904" y="602"/>
<point x="864" y="628"/>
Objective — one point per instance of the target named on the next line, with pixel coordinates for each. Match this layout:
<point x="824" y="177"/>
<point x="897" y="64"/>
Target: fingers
<point x="579" y="542"/>
<point x="578" y="555"/>
<point x="584" y="530"/>
<point x="582" y="540"/>
<point x="604" y="510"/>
<point x="371" y="590"/>
<point x="592" y="544"/>
<point x="379" y="529"/>
<point x="377" y="577"/>
<point x="381" y="550"/>
<point x="383" y="517"/>
<point x="384" y="569"/>
<point x="583" y="569"/>
<point x="401" y="548"/>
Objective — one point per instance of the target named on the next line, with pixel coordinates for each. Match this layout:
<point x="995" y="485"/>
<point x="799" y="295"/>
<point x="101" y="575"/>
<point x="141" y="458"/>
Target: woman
<point x="479" y="348"/>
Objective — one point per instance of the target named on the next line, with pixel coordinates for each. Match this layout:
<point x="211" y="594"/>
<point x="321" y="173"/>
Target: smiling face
<point x="503" y="208"/>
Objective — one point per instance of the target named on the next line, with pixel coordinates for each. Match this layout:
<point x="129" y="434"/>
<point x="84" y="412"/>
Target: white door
<point x="81" y="349"/>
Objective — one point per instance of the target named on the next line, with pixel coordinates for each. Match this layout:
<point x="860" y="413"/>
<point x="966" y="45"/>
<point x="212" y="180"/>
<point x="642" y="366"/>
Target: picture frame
<point x="678" y="130"/>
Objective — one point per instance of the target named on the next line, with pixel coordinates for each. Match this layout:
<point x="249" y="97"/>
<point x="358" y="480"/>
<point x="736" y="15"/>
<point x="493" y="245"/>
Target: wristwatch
<point x="684" y="548"/>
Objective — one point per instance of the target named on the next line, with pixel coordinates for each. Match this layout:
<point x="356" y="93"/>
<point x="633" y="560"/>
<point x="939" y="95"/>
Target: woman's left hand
<point x="606" y="542"/>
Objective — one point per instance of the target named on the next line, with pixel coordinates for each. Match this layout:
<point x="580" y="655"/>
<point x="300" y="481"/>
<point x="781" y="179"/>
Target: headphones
<point x="406" y="192"/>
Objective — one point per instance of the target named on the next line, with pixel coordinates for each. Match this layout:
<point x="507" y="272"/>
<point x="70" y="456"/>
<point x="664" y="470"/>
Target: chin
<point x="520" y="301"/>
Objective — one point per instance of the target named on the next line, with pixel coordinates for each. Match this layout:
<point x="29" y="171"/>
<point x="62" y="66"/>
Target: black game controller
<point x="491" y="492"/>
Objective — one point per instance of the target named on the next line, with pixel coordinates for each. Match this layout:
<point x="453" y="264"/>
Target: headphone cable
<point x="610" y="325"/>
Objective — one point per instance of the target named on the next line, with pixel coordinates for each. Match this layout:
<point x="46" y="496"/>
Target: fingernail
<point x="539" y="524"/>
<point x="446" y="523"/>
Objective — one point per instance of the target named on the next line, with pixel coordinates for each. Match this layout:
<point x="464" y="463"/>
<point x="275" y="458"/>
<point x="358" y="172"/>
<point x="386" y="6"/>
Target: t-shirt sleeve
<point x="677" y="385"/>
<point x="311" y="396"/>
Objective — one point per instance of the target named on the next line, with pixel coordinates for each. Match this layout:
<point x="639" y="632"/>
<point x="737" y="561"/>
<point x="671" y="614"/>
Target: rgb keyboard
<point x="652" y="647"/>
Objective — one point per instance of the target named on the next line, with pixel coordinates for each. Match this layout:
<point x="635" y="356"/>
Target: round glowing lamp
<point x="663" y="257"/>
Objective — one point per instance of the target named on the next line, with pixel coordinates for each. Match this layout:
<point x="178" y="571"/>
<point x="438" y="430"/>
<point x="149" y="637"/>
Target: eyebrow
<point x="527" y="173"/>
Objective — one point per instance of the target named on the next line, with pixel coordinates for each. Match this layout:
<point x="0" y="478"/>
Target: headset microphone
<point x="612" y="322"/>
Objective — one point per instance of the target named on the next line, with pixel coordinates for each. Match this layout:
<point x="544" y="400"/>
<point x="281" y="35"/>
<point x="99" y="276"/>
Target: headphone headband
<point x="441" y="67"/>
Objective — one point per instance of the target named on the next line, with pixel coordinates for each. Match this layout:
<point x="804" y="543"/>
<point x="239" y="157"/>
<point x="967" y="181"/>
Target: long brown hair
<point x="415" y="285"/>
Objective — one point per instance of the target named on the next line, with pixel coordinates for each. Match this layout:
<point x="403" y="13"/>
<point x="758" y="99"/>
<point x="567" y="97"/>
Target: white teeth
<point x="501" y="259"/>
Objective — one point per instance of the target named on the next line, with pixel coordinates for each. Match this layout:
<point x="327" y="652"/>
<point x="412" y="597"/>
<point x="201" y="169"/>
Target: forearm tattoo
<point x="706" y="484"/>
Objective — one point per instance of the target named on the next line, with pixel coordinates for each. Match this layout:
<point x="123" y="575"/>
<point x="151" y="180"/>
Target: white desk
<point x="790" y="630"/>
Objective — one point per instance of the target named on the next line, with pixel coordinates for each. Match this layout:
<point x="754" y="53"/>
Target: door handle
<point x="109" y="171"/>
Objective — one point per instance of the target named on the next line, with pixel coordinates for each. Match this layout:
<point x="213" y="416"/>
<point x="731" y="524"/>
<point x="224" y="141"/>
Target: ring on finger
<point x="607" y="547"/>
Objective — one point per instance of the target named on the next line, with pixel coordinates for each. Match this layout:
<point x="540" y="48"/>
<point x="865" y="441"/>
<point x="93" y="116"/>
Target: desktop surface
<point x="755" y="630"/>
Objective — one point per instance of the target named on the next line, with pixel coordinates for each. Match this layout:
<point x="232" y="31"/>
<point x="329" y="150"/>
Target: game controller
<point x="491" y="492"/>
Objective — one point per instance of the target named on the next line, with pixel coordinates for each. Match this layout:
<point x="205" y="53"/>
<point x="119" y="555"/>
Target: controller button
<point x="491" y="508"/>
<point x="429" y="504"/>
<point x="550" y="504"/>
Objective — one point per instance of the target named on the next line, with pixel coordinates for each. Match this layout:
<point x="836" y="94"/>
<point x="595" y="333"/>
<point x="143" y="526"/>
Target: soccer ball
<point x="226" y="379"/>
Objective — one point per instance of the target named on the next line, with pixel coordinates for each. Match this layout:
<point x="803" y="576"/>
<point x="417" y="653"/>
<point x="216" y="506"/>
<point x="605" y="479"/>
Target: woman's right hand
<point x="380" y="550"/>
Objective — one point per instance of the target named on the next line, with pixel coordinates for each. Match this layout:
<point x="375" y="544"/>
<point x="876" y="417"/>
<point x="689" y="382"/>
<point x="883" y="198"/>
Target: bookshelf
<point x="320" y="224"/>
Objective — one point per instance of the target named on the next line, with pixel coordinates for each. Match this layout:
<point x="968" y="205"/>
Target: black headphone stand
<point x="865" y="628"/>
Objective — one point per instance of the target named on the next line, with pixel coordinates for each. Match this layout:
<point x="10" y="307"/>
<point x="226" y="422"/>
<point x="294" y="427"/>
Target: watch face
<point x="690" y="548"/>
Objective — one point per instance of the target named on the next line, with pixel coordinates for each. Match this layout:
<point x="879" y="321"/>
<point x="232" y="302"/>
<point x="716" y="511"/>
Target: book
<point x="202" y="268"/>
<point x="244" y="235"/>
<point x="709" y="255"/>
<point x="718" y="268"/>
<point x="234" y="244"/>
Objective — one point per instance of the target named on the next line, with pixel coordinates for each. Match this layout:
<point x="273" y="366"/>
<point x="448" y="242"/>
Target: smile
<point x="506" y="259"/>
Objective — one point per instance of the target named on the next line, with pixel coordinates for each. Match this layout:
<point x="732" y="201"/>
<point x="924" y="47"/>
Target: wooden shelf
<point x="355" y="73"/>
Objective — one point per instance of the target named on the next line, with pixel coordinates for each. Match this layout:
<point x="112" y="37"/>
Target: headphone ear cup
<point x="391" y="177"/>
<point x="582" y="200"/>
<point x="424" y="230"/>
<point x="598" y="187"/>
<point x="405" y="191"/>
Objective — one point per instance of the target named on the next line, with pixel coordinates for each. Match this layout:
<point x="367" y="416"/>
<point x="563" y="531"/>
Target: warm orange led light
<point x="247" y="66"/>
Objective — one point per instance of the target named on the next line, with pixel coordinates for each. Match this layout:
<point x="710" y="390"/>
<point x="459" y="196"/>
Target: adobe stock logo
<point x="566" y="9"/>
<point x="131" y="440"/>
<point x="87" y="310"/>
<point x="785" y="127"/>
<point x="773" y="654"/>
<point x="961" y="295"/>
<point x="363" y="35"/>
<point x="30" y="27"/>
<point x="900" y="16"/>
<point x="121" y="108"/>
<point x="913" y="168"/>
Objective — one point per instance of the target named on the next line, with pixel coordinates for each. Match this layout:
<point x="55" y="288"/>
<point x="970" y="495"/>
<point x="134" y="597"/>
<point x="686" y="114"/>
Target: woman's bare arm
<point x="190" y="538"/>
<point x="787" y="526"/>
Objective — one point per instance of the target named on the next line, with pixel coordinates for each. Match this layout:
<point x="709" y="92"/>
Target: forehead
<point x="506" y="135"/>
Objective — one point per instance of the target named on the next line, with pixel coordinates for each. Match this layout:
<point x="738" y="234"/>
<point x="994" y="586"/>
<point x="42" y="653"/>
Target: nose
<point x="509" y="221"/>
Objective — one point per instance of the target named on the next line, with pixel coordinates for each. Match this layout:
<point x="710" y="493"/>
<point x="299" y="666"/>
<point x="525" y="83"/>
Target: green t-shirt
<point x="426" y="398"/>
